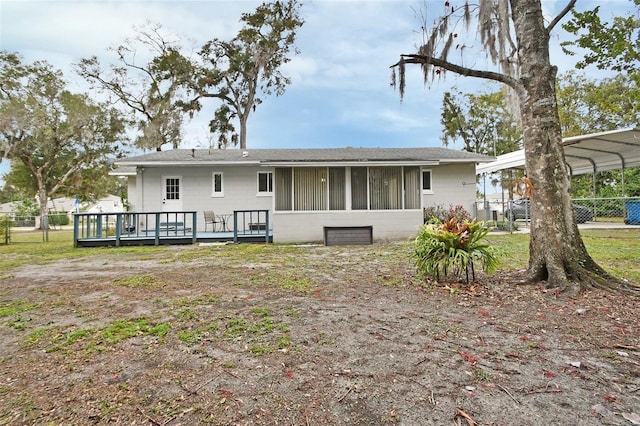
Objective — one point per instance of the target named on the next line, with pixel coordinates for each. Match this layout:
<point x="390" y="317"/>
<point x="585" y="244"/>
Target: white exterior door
<point x="171" y="193"/>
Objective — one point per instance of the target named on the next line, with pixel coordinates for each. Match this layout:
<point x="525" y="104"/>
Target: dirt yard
<point x="305" y="335"/>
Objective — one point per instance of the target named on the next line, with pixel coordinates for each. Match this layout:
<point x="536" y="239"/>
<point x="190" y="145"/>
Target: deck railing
<point x="251" y="222"/>
<point x="158" y="225"/>
<point x="177" y="227"/>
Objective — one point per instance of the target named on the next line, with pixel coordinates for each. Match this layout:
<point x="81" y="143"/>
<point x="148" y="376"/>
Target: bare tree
<point x="516" y="37"/>
<point x="151" y="91"/>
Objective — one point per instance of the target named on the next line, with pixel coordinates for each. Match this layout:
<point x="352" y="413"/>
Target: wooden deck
<point x="164" y="228"/>
<point x="150" y="240"/>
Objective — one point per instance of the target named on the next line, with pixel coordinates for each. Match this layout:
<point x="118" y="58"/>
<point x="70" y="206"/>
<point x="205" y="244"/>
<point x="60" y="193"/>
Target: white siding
<point x="309" y="226"/>
<point x="448" y="188"/>
<point x="239" y="183"/>
<point x="132" y="193"/>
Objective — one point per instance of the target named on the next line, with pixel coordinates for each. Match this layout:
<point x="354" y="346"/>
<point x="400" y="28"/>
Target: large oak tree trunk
<point x="557" y="252"/>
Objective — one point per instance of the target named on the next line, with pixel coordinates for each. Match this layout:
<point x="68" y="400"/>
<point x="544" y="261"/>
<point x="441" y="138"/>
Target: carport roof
<point x="616" y="149"/>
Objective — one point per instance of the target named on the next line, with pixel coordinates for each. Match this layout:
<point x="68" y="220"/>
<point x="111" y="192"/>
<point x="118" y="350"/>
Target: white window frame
<point x="269" y="192"/>
<point x="213" y="184"/>
<point x="430" y="190"/>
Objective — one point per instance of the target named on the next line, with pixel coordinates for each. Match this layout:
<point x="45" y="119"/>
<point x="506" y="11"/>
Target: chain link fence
<point x="626" y="210"/>
<point x="619" y="210"/>
<point x="22" y="229"/>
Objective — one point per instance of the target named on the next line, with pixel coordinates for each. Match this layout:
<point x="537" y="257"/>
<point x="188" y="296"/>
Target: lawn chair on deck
<point x="210" y="219"/>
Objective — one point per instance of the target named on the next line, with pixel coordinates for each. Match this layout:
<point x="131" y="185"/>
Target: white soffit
<point x="601" y="151"/>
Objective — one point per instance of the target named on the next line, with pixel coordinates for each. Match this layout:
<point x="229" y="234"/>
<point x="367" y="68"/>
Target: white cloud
<point x="393" y="120"/>
<point x="301" y="69"/>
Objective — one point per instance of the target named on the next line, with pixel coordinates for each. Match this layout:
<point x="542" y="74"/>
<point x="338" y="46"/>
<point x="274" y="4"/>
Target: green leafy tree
<point x="88" y="183"/>
<point x="587" y="106"/>
<point x="53" y="133"/>
<point x="8" y="192"/>
<point x="485" y="124"/>
<point x="516" y="35"/>
<point x="609" y="45"/>
<point x="632" y="177"/>
<point x="239" y="72"/>
<point x="21" y="180"/>
<point x="21" y="187"/>
<point x="152" y="91"/>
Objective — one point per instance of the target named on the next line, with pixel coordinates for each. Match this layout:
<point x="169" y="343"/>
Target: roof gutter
<point x="183" y="163"/>
<point x="348" y="163"/>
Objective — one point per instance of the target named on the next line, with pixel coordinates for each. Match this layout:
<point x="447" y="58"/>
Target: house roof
<point x="616" y="149"/>
<point x="307" y="157"/>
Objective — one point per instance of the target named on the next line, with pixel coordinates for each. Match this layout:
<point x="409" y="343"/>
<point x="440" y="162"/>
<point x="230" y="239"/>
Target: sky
<point x="340" y="94"/>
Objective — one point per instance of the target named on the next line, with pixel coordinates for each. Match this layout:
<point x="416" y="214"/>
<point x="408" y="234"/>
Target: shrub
<point x="441" y="214"/>
<point x="453" y="247"/>
<point x="58" y="219"/>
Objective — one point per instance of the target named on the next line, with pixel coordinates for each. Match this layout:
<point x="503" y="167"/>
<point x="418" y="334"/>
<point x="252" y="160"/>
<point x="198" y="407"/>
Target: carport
<point x="591" y="153"/>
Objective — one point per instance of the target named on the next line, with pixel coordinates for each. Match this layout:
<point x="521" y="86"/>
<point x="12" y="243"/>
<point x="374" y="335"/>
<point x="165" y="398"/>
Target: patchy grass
<point x="295" y="334"/>
<point x="259" y="349"/>
<point x="56" y="338"/>
<point x="15" y="307"/>
<point x="140" y="281"/>
<point x="191" y="337"/>
<point x="262" y="333"/>
<point x="235" y="328"/>
<point x="186" y="314"/>
<point x="204" y="300"/>
<point x="125" y="329"/>
<point x="283" y="279"/>
<point x="260" y="311"/>
<point x="615" y="249"/>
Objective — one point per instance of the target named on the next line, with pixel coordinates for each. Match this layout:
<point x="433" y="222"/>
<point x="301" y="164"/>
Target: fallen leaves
<point x="224" y="395"/>
<point x="288" y="373"/>
<point x="468" y="357"/>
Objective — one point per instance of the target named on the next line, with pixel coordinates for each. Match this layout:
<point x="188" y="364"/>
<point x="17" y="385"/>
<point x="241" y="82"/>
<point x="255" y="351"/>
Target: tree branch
<point x="215" y="95"/>
<point x="115" y="87"/>
<point x="561" y="15"/>
<point x="463" y="71"/>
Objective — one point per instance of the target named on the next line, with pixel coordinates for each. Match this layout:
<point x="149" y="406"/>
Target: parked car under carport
<point x="519" y="209"/>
